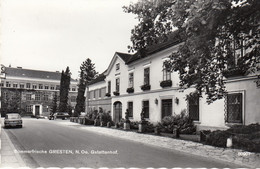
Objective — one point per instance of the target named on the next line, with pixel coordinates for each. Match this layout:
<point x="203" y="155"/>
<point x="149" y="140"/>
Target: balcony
<point x="166" y="83"/>
<point x="146" y="87"/>
<point x="130" y="90"/>
<point x="116" y="93"/>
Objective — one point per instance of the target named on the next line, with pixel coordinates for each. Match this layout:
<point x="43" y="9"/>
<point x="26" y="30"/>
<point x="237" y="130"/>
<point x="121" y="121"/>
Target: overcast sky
<point x="53" y="34"/>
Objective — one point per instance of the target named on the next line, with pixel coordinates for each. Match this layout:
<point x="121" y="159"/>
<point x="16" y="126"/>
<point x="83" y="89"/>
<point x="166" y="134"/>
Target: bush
<point x="149" y="127"/>
<point x="244" y="137"/>
<point x="218" y="138"/>
<point x="134" y="125"/>
<point x="181" y="121"/>
<point x="89" y="121"/>
<point x="105" y="118"/>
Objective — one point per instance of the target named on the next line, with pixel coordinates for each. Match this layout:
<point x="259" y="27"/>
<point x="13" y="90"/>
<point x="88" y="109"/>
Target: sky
<point x="53" y="34"/>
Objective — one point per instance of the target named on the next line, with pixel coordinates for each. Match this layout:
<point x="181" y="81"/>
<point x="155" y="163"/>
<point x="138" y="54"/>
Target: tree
<point x="64" y="90"/>
<point x="87" y="74"/>
<point x="212" y="32"/>
<point x="54" y="106"/>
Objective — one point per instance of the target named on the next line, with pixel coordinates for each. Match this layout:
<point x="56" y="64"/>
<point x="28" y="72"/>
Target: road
<point x="45" y="143"/>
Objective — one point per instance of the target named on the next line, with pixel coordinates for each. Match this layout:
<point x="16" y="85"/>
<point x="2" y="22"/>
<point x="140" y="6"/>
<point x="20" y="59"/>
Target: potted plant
<point x="127" y="121"/>
<point x="116" y="93"/>
<point x="108" y="94"/>
<point x="142" y="123"/>
<point x="130" y="90"/>
<point x="146" y="87"/>
<point x="166" y="83"/>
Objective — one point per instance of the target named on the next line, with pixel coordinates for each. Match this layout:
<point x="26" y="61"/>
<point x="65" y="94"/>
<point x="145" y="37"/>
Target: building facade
<point x="143" y="84"/>
<point x="96" y="95"/>
<point x="30" y="92"/>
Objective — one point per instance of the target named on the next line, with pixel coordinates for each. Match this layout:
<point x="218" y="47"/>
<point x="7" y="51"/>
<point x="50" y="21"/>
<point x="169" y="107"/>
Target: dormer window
<point x="117" y="66"/>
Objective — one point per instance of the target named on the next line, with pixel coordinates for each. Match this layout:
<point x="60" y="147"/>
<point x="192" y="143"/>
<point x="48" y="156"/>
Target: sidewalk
<point x="235" y="156"/>
<point x="8" y="157"/>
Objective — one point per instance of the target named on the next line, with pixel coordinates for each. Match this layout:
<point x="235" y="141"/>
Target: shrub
<point x="244" y="137"/>
<point x="181" y="121"/>
<point x="105" y="117"/>
<point x="218" y="138"/>
<point x="89" y="121"/>
<point x="149" y="127"/>
<point x="134" y="125"/>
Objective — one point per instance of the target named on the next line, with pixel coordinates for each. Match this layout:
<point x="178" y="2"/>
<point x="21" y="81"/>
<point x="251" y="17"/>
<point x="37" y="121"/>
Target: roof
<point x="173" y="39"/>
<point x="99" y="78"/>
<point x="124" y="56"/>
<point x="29" y="73"/>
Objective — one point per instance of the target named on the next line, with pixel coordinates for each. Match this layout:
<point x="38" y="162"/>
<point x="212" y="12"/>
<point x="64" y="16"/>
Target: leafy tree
<point x="212" y="32"/>
<point x="54" y="105"/>
<point x="11" y="101"/>
<point x="64" y="90"/>
<point x="87" y="74"/>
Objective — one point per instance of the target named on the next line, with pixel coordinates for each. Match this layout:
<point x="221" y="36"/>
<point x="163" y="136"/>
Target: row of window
<point x="33" y="86"/>
<point x="166" y="77"/>
<point x="233" y="108"/>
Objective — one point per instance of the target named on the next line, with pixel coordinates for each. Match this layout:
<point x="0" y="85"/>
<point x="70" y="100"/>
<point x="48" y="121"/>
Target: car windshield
<point x="12" y="116"/>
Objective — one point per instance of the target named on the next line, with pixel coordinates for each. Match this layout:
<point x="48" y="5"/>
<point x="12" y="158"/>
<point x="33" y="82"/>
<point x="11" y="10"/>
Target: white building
<point x="137" y="83"/>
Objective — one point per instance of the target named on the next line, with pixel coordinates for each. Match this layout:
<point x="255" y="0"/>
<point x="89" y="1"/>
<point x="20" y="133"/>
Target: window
<point x="37" y="96"/>
<point x="193" y="104"/>
<point x="73" y="89"/>
<point x="166" y="107"/>
<point x="15" y="85"/>
<point x="2" y="84"/>
<point x="45" y="97"/>
<point x="52" y="87"/>
<point x="28" y="97"/>
<point x="130" y="108"/>
<point x="57" y="87"/>
<point x="73" y="98"/>
<point x="131" y="80"/>
<point x="146" y="108"/>
<point x="34" y="86"/>
<point x="147" y="76"/>
<point x="117" y="84"/>
<point x="7" y="84"/>
<point x="28" y="108"/>
<point x="109" y="87"/>
<point x="94" y="94"/>
<point x="28" y="85"/>
<point x="21" y="85"/>
<point x="99" y="92"/>
<point x="234" y="108"/>
<point x="46" y="87"/>
<point x="166" y="74"/>
<point x="40" y="86"/>
<point x="117" y="66"/>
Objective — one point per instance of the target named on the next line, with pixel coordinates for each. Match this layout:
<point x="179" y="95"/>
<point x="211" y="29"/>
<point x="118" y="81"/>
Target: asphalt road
<point x="45" y="143"/>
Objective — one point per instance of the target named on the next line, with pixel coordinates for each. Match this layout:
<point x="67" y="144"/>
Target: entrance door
<point x="37" y="110"/>
<point x="166" y="107"/>
<point x="117" y="111"/>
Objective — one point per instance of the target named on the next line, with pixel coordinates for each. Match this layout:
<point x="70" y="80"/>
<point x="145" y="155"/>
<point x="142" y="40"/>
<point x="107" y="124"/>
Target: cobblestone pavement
<point x="247" y="159"/>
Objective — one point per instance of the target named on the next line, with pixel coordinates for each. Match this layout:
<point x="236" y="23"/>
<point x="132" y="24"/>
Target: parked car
<point x="59" y="115"/>
<point x="13" y="120"/>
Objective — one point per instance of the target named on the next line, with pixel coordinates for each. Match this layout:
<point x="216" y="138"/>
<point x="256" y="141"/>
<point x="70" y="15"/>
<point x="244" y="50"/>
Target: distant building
<point x="32" y="91"/>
